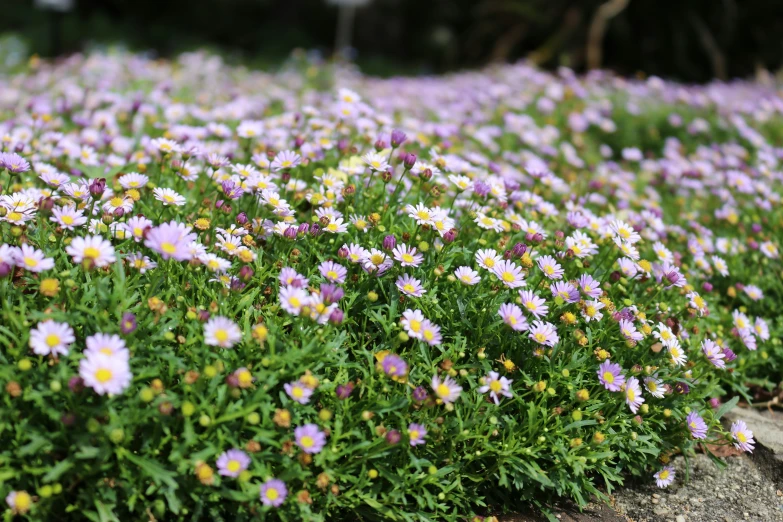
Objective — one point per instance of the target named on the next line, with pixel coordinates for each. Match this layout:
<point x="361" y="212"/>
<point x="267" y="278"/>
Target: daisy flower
<point x="633" y="394"/>
<point x="410" y="286"/>
<point x="171" y="240"/>
<point x="375" y="161"/>
<point x="140" y="262"/>
<point x="298" y="392"/>
<point x="713" y="353"/>
<point x="550" y="267"/>
<point x="754" y="292"/>
<point x="169" y="197"/>
<point x="107" y="344"/>
<point x="19" y="502"/>
<point x="591" y="311"/>
<point x="310" y="438"/>
<point x="665" y="477"/>
<point x="611" y="376"/>
<point x="106" y="374"/>
<point x="416" y="434"/>
<point x="221" y="331"/>
<point x="68" y="217"/>
<point x="136" y="227"/>
<point x="496" y="386"/>
<point x="488" y="258"/>
<point x="565" y="291"/>
<point x="273" y="492"/>
<point x="628" y="330"/>
<point x="447" y="390"/>
<point x="625" y="232"/>
<point x="743" y="437"/>
<point x="133" y="180"/>
<point x="677" y="354"/>
<point x="720" y="265"/>
<point x="512" y="316"/>
<point x="488" y="223"/>
<point x="430" y="333"/>
<point x="286" y="159"/>
<point x="51" y="338"/>
<point x="420" y="213"/>
<point x="94" y="249"/>
<point x="355" y="253"/>
<point x="407" y="256"/>
<point x="509" y="274"/>
<point x="292" y="299"/>
<point x="333" y="272"/>
<point x="654" y="386"/>
<point x="232" y="462"/>
<point x="290" y="277"/>
<point x="761" y="328"/>
<point x="467" y="276"/>
<point x="590" y="286"/>
<point x="696" y="425"/>
<point x="411" y="321"/>
<point x="533" y="304"/>
<point x="32" y="259"/>
<point x="543" y="333"/>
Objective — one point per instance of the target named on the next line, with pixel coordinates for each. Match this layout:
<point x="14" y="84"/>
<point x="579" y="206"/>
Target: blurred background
<point x="687" y="40"/>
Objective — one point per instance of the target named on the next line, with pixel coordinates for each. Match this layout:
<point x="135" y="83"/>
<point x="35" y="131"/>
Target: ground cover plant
<point x="314" y="295"/>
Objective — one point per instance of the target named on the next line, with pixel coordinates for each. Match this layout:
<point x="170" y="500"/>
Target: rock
<point x="680" y="518"/>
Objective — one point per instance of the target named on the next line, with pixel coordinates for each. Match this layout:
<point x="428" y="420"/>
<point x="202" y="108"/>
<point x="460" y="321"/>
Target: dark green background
<point x="669" y="38"/>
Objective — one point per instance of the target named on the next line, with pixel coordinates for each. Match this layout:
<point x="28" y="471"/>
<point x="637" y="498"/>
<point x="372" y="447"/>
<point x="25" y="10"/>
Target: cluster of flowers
<point x="357" y="298"/>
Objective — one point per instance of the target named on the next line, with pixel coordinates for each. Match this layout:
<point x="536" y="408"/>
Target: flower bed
<point x="235" y="295"/>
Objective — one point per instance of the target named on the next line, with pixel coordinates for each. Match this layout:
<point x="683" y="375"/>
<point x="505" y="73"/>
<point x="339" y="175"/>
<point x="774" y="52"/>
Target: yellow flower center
<point x="221" y="336"/>
<point x="741" y="437"/>
<point x="508" y="277"/>
<point x="233" y="466"/>
<point x="409" y="288"/>
<point x="103" y="375"/>
<point x="663" y="475"/>
<point x="442" y="390"/>
<point x="415" y="325"/>
<point x="68" y="220"/>
<point x="495" y="386"/>
<point x="92" y="252"/>
<point x="407" y="258"/>
<point x="272" y="494"/>
<point x="168" y="248"/>
<point x="307" y="441"/>
<point x="52" y="340"/>
<point x="609" y="377"/>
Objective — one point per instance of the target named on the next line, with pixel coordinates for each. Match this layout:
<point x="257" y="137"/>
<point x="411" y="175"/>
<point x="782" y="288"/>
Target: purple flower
<point x="416" y="434"/>
<point x="14" y="163"/>
<point x="310" y="438"/>
<point x="97" y="187"/>
<point x="409" y="160"/>
<point x="633" y="394"/>
<point x="298" y="392"/>
<point x="393" y="436"/>
<point x="610" y="375"/>
<point x="743" y="437"/>
<point x="420" y="394"/>
<point x="273" y="492"/>
<point x="171" y="240"/>
<point x="398" y="138"/>
<point x="128" y="323"/>
<point x="728" y="354"/>
<point x="232" y="190"/>
<point x="389" y="242"/>
<point x="696" y="425"/>
<point x="331" y="293"/>
<point x="394" y="366"/>
<point x="665" y="477"/>
<point x="232" y="462"/>
<point x="344" y="391"/>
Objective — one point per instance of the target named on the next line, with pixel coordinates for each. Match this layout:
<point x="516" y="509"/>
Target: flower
<point x="496" y="386"/>
<point x="633" y="394"/>
<point x="754" y="292"/>
<point x="51" y="338"/>
<point x="171" y="240"/>
<point x="533" y="304"/>
<point x="310" y="438"/>
<point x="543" y="333"/>
<point x="286" y="159"/>
<point x="298" y="391"/>
<point x="32" y="259"/>
<point x="106" y="374"/>
<point x="394" y="366"/>
<point x="169" y="197"/>
<point x="742" y="436"/>
<point x="509" y="274"/>
<point x="488" y="258"/>
<point x="467" y="276"/>
<point x="273" y="492"/>
<point x="333" y="272"/>
<point x="430" y="333"/>
<point x="591" y="311"/>
<point x="565" y="290"/>
<point x="232" y="462"/>
<point x="128" y="323"/>
<point x="19" y="501"/>
<point x="68" y="217"/>
<point x="375" y="161"/>
<point x="416" y="434"/>
<point x="98" y="251"/>
<point x="550" y="267"/>
<point x="590" y="286"/>
<point x="628" y="330"/>
<point x="221" y="331"/>
<point x="696" y="425"/>
<point x="410" y="286"/>
<point x="665" y="477"/>
<point x="407" y="256"/>
<point x="654" y="386"/>
<point x="447" y="390"/>
<point x="107" y="344"/>
<point x="512" y="316"/>
<point x="611" y="376"/>
<point x="412" y="321"/>
<point x="713" y="353"/>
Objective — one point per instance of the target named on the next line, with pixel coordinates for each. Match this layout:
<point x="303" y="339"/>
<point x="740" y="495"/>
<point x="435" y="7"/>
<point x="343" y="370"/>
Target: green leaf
<point x="57" y="470"/>
<point x="726" y="407"/>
